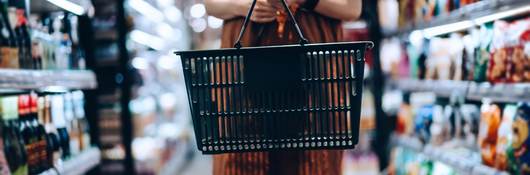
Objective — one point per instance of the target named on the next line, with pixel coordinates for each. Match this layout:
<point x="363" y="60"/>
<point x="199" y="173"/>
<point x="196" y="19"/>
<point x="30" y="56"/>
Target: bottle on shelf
<point x="8" y="147"/>
<point x="40" y="134"/>
<point x="72" y="124"/>
<point x="58" y="118"/>
<point x="9" y="45"/>
<point x="27" y="132"/>
<point x="54" y="145"/>
<point x="4" y="166"/>
<point x="79" y="111"/>
<point x="15" y="150"/>
<point x="24" y="37"/>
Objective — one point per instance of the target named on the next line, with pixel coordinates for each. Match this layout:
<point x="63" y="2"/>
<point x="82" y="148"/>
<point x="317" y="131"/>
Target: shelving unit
<point x="505" y="93"/>
<point x="457" y="160"/>
<point x="42" y="79"/>
<point x="78" y="164"/>
<point x="469" y="12"/>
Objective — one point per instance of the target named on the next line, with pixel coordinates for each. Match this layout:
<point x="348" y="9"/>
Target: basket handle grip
<point x="302" y="41"/>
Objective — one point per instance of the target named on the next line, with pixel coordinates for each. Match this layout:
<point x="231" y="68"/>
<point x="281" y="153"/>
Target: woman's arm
<point x="228" y="9"/>
<point x="340" y="9"/>
<point x="225" y="9"/>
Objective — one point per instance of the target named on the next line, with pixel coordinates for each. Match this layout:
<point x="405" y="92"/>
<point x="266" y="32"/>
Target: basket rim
<point x="369" y="43"/>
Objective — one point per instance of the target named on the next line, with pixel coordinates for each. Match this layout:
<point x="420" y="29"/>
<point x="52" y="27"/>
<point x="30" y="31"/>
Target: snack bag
<point x="504" y="139"/>
<point x="487" y="138"/>
<point x="405" y="120"/>
<point x="439" y="128"/>
<point x="520" y="139"/>
<point x="423" y="123"/>
<point x="518" y="35"/>
<point x="482" y="54"/>
<point x="498" y="64"/>
<point x="470" y="127"/>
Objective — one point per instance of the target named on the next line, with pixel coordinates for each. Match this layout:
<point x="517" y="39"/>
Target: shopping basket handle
<point x="303" y="40"/>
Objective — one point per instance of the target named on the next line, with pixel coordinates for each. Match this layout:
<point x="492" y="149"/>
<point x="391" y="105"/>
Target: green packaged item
<point x="482" y="53"/>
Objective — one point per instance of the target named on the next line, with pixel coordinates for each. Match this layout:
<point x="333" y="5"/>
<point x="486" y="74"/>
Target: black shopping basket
<point x="288" y="97"/>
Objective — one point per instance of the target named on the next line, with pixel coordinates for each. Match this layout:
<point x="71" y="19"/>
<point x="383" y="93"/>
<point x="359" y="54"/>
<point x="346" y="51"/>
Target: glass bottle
<point x="53" y="147"/>
<point x="12" y="50"/>
<point x="27" y="132"/>
<point x="59" y="121"/>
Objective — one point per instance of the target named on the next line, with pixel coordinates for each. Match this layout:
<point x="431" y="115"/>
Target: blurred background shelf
<point x="78" y="164"/>
<point x="456" y="158"/>
<point x="478" y="12"/>
<point x="506" y="93"/>
<point x="47" y="79"/>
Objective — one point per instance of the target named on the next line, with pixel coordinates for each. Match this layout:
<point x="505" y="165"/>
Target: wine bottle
<point x="13" y="21"/>
<point x="17" y="146"/>
<point x="27" y="132"/>
<point x="53" y="146"/>
<point x="40" y="134"/>
<point x="11" y="50"/>
<point x="4" y="42"/>
<point x="24" y="37"/>
<point x="43" y="149"/>
<point x="7" y="153"/>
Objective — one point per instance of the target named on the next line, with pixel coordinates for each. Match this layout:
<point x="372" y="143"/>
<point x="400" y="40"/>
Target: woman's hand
<point x="278" y="4"/>
<point x="228" y="9"/>
<point x="263" y="12"/>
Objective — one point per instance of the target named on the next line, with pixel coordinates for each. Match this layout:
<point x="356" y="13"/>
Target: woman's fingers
<point x="263" y="12"/>
<point x="263" y="5"/>
<point x="262" y="18"/>
<point x="259" y="19"/>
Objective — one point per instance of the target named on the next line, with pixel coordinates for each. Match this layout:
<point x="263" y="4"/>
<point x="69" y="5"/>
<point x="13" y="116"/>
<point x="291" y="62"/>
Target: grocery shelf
<point x="458" y="160"/>
<point x="78" y="164"/>
<point x="47" y="79"/>
<point x="505" y="93"/>
<point x="468" y="12"/>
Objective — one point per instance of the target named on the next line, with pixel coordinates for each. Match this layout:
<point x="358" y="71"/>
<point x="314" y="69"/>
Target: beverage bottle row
<point x="38" y="131"/>
<point x="38" y="41"/>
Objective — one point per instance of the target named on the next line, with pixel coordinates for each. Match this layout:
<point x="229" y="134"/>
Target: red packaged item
<point x="519" y="67"/>
<point x="510" y="52"/>
<point x="498" y="64"/>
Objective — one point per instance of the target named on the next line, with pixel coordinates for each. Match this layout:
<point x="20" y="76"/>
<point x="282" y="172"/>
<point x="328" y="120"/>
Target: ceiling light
<point x="214" y="22"/>
<point x="147" y="10"/>
<point x="197" y="10"/>
<point x="147" y="39"/>
<point x="167" y="62"/>
<point x="447" y="28"/>
<point x="69" y="6"/>
<point x="501" y="15"/>
<point x="164" y="30"/>
<point x="173" y="14"/>
<point x="198" y="25"/>
<point x="140" y="63"/>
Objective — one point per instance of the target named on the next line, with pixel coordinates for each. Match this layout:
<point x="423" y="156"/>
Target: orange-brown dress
<point x="317" y="29"/>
